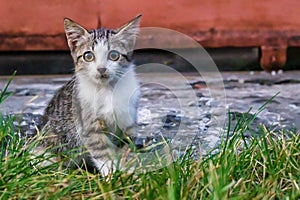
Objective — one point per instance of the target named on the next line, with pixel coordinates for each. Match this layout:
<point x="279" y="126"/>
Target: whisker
<point x="119" y="72"/>
<point x="118" y="76"/>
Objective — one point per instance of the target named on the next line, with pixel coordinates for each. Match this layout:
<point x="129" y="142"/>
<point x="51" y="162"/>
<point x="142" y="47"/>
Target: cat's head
<point x="102" y="55"/>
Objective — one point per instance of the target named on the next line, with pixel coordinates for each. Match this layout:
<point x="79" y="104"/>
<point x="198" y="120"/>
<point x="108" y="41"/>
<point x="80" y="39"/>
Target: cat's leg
<point x="45" y="142"/>
<point x="101" y="150"/>
<point x="48" y="157"/>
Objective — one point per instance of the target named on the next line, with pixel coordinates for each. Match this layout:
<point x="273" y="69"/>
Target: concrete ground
<point x="181" y="107"/>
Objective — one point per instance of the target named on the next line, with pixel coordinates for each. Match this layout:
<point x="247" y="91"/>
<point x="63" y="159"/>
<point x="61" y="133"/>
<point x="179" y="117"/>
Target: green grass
<point x="264" y="167"/>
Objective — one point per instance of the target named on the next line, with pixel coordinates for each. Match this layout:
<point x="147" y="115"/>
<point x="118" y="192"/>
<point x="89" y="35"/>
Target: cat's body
<point x="98" y="105"/>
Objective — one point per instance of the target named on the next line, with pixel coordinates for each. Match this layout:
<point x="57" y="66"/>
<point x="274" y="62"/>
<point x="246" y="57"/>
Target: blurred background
<point x="239" y="35"/>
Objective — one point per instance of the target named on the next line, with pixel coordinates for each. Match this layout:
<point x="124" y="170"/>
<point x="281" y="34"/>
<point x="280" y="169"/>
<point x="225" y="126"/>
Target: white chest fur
<point x="116" y="104"/>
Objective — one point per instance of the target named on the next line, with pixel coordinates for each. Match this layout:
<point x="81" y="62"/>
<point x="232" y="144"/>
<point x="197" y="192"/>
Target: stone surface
<point x="181" y="112"/>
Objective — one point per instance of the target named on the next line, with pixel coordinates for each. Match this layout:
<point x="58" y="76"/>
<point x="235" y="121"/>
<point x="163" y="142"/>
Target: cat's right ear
<point x="76" y="34"/>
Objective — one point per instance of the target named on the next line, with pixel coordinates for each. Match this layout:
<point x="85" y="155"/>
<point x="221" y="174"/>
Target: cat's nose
<point x="102" y="70"/>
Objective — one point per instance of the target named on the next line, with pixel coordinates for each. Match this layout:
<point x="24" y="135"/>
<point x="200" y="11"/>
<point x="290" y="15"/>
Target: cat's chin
<point x="111" y="81"/>
<point x="102" y="81"/>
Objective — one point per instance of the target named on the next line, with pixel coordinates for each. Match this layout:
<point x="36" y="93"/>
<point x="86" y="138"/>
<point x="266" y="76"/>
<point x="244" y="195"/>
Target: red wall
<point x="271" y="24"/>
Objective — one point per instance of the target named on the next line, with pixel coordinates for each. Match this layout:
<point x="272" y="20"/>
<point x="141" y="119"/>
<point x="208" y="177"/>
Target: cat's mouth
<point x="110" y="79"/>
<point x="104" y="79"/>
<point x="102" y="76"/>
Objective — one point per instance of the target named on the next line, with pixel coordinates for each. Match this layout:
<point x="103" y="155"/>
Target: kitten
<point x="98" y="106"/>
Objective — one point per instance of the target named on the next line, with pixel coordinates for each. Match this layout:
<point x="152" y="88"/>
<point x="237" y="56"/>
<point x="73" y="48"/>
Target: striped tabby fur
<point x="99" y="100"/>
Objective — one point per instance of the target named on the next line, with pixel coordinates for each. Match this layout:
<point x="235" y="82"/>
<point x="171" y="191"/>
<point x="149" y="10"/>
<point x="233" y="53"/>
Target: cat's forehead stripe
<point x="101" y="34"/>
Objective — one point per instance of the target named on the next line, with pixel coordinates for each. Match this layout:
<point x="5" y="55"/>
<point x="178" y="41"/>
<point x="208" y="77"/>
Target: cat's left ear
<point x="76" y="34"/>
<point x="128" y="32"/>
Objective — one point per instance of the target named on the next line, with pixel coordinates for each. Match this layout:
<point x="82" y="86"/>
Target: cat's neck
<point x="94" y="98"/>
<point x="107" y="102"/>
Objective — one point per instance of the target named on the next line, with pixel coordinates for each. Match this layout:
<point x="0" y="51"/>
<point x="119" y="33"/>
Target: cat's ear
<point x="128" y="32"/>
<point x="76" y="34"/>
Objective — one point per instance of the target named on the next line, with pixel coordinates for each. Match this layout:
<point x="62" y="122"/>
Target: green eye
<point x="113" y="55"/>
<point x="88" y="56"/>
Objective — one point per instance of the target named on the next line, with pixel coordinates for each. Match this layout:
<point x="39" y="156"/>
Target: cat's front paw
<point x="105" y="167"/>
